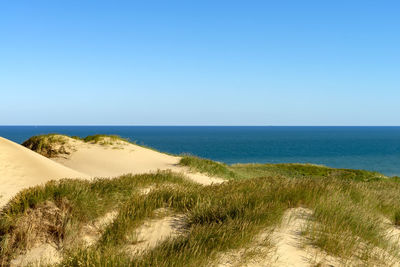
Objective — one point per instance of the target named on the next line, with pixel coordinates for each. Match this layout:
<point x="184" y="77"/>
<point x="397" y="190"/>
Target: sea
<point x="369" y="148"/>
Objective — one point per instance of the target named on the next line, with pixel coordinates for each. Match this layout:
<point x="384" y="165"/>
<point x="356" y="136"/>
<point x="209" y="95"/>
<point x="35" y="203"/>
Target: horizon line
<point x="172" y="125"/>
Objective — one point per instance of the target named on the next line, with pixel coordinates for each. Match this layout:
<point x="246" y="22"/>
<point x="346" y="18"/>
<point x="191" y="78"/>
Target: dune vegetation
<point x="103" y="139"/>
<point x="49" y="145"/>
<point x="352" y="215"/>
<point x="240" y="171"/>
<point x="55" y="145"/>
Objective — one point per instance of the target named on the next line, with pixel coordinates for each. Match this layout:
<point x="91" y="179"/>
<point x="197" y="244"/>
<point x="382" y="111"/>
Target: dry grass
<point x="347" y="207"/>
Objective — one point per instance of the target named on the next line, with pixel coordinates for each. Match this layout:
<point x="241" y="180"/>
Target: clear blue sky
<point x="200" y="62"/>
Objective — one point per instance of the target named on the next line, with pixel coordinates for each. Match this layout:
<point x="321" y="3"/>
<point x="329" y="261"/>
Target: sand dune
<point x="21" y="168"/>
<point x="121" y="158"/>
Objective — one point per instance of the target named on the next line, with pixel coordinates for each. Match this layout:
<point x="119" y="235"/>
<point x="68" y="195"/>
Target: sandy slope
<point x="120" y="158"/>
<point x="21" y="168"/>
<point x="290" y="248"/>
<point x="153" y="232"/>
<point x="112" y="160"/>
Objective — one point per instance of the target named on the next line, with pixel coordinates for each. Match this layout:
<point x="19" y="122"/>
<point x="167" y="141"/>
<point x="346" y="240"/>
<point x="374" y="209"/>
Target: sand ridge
<point x="111" y="160"/>
<point x="21" y="168"/>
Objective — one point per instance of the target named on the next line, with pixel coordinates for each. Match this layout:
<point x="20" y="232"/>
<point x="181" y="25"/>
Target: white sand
<point x="22" y="168"/>
<point x="114" y="160"/>
<point x="290" y="248"/>
<point x="91" y="232"/>
<point x="155" y="231"/>
<point x="43" y="255"/>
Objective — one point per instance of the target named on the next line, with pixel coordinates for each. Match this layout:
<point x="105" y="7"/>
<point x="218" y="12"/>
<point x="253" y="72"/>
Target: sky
<point x="74" y="62"/>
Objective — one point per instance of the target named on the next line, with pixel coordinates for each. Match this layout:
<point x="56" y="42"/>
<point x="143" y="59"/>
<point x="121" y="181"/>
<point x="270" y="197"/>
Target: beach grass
<point x="293" y="170"/>
<point x="48" y="145"/>
<point x="54" y="144"/>
<point x="207" y="166"/>
<point x="103" y="139"/>
<point x="347" y="206"/>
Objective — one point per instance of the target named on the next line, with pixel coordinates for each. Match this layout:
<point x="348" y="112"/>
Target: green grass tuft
<point x="396" y="217"/>
<point x="49" y="145"/>
<point x="293" y="170"/>
<point x="104" y="139"/>
<point x="207" y="166"/>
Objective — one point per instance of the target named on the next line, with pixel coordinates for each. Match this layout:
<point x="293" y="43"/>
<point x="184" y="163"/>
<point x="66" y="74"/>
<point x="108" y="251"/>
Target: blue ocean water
<point x="370" y="148"/>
